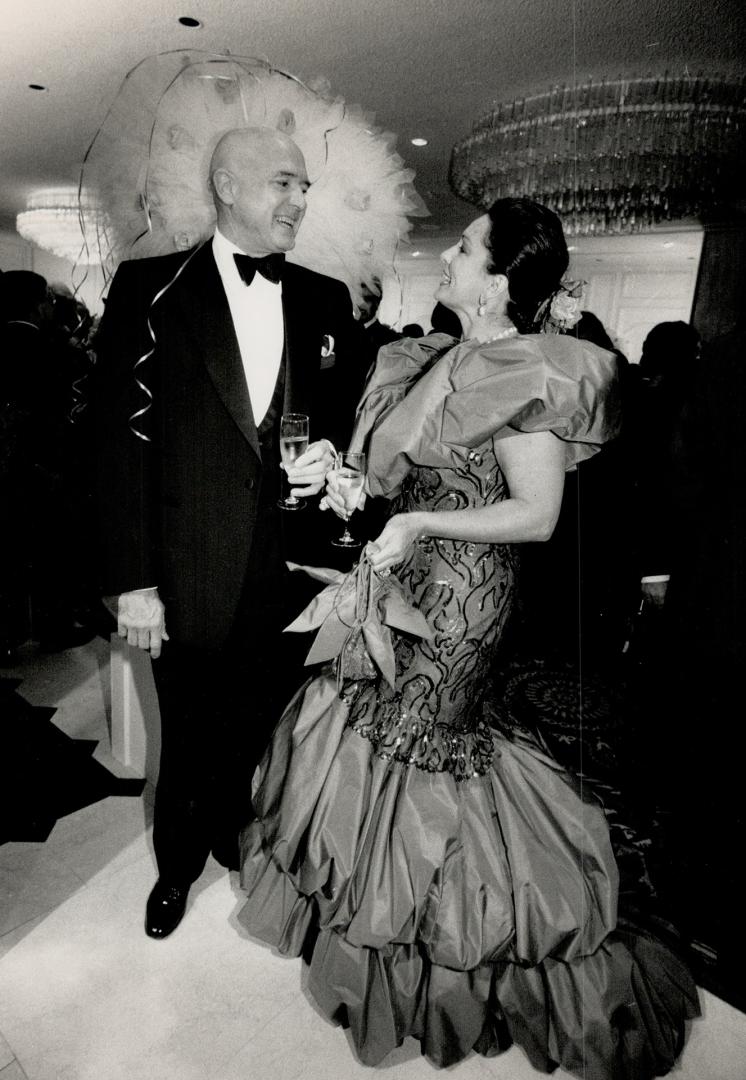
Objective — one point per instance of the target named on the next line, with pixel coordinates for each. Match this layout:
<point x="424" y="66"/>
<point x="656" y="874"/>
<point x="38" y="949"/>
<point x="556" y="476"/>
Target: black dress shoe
<point x="165" y="909"/>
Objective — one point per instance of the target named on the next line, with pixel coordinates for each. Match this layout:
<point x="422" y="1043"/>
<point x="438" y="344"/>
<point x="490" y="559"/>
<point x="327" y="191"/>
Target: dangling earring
<point x="482" y="309"/>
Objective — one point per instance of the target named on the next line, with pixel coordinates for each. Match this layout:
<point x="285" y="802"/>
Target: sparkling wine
<point x="291" y="448"/>
<point x="350" y="483"/>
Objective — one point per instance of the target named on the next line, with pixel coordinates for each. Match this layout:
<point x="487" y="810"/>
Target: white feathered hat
<point x="148" y="164"/>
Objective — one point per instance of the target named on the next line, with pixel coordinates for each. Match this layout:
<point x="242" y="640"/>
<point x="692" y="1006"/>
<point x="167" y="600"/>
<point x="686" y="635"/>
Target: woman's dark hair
<point x="526" y="243"/>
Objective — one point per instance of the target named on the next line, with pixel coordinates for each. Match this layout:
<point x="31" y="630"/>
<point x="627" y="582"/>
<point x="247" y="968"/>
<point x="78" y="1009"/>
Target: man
<point x="193" y="538"/>
<point x="376" y="333"/>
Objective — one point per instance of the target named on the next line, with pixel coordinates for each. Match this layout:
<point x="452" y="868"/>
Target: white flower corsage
<point x="563" y="310"/>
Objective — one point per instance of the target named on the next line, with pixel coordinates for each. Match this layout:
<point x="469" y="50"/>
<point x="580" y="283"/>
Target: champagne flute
<point x="293" y="443"/>
<point x="350" y="473"/>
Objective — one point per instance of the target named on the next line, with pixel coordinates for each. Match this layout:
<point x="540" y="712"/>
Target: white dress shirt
<point x="256" y="310"/>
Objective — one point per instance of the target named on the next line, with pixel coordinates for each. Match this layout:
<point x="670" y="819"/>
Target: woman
<point x="449" y="883"/>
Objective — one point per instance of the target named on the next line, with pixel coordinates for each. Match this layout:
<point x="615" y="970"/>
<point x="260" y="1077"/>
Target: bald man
<point x="193" y="540"/>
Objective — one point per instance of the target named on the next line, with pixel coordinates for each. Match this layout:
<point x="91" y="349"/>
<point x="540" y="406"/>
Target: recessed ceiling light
<point x="419" y="142"/>
<point x="416" y="254"/>
<point x="572" y="247"/>
<point x="36" y="86"/>
<point x="668" y="244"/>
<point x="187" y="20"/>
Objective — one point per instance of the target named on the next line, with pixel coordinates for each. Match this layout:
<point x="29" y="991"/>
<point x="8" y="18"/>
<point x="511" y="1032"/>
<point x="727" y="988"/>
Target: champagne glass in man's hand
<point x="349" y="477"/>
<point x="293" y="443"/>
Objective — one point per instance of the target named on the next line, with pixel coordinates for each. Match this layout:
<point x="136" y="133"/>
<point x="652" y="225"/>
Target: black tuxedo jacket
<point x="178" y="510"/>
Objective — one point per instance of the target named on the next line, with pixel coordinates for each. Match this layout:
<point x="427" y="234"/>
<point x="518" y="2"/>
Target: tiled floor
<point x="85" y="995"/>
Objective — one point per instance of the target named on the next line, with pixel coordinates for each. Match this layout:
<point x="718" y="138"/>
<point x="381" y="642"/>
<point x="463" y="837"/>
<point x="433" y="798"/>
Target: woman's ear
<point x="496" y="286"/>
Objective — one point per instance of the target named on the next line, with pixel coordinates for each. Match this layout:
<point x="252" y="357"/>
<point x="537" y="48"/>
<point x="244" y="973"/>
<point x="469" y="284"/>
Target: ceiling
<point x="426" y="68"/>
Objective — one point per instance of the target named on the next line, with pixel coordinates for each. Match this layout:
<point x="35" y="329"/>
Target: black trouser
<point x="218" y="712"/>
<point x="219" y="709"/>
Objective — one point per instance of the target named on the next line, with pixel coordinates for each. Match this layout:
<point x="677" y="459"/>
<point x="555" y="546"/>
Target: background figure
<point x="72" y="327"/>
<point x="376" y="333"/>
<point x="37" y="551"/>
<point x="578" y="590"/>
<point x="191" y="515"/>
<point x="669" y="355"/>
<point x="445" y="321"/>
<point x="413" y="330"/>
<point x="373" y="336"/>
<point x="695" y="694"/>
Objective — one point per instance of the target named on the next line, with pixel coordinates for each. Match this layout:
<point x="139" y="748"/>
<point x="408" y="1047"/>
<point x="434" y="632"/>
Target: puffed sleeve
<point x="494" y="391"/>
<point x="539" y="383"/>
<point x="398" y="367"/>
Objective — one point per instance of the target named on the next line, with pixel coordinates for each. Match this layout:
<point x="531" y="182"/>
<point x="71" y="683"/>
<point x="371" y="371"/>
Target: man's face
<point x="269" y="199"/>
<point x="371" y="300"/>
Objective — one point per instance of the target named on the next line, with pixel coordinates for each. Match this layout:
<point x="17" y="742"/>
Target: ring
<point x="384" y="573"/>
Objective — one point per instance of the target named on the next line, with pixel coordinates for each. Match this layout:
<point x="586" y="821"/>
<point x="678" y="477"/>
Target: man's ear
<point x="223" y="184"/>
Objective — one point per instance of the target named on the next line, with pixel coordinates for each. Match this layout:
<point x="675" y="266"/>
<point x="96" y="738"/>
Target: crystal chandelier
<point x="611" y="157"/>
<point x="65" y="221"/>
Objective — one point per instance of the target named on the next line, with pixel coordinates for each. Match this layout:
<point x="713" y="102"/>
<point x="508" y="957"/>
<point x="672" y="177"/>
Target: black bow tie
<point x="270" y="267"/>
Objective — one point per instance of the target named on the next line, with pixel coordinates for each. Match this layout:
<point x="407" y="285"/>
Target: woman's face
<point x="464" y="278"/>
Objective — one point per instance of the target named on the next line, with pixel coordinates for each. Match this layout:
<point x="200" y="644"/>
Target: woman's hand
<point x="307" y="474"/>
<point x="392" y="545"/>
<point x="332" y="499"/>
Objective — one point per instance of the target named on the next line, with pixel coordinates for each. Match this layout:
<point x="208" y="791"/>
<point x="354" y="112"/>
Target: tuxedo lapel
<point x="206" y="314"/>
<point x="300" y="371"/>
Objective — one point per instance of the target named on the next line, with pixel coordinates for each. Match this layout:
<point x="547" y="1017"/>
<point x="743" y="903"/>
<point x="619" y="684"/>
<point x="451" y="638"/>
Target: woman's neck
<point x="486" y="328"/>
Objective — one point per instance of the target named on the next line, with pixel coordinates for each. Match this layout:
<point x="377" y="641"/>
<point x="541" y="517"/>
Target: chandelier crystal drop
<point x="611" y="157"/>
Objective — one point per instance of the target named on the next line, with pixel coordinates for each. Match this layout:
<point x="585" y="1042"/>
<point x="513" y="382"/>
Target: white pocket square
<point x="328" y="356"/>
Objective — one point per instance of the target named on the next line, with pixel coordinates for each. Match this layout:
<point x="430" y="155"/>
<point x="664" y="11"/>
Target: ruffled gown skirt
<point x="468" y="913"/>
<point x="448" y="883"/>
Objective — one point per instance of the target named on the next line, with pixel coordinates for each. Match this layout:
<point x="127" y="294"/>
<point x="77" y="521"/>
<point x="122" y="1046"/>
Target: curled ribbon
<point x="354" y="616"/>
<point x="141" y="386"/>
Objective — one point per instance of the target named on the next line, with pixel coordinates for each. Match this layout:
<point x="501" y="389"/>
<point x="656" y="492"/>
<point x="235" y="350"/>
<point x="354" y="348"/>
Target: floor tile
<point x="6" y="1054"/>
<point x="111" y="1003"/>
<point x="102" y="837"/>
<point x="13" y="1071"/>
<point x="32" y="882"/>
<point x="13" y="937"/>
<point x="716" y="1046"/>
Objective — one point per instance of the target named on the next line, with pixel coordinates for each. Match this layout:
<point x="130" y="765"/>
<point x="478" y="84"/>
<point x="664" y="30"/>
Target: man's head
<point x="26" y="296"/>
<point x="371" y="300"/>
<point x="259" y="184"/>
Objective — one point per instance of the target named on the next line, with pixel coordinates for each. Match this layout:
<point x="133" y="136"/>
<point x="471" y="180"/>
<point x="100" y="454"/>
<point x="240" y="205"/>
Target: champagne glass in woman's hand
<point x="349" y="475"/>
<point x="293" y="443"/>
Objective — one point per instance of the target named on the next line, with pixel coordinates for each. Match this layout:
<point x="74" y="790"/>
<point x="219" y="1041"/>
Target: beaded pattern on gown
<point x="432" y="719"/>
<point x="450" y="883"/>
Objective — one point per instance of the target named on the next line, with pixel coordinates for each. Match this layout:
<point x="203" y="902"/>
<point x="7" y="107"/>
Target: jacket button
<point x="249" y="484"/>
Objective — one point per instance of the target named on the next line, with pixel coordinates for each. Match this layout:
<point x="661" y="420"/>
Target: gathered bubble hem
<point x="468" y="915"/>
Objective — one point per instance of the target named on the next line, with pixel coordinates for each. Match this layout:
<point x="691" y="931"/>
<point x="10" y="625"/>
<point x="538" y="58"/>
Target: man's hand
<point x="141" y="620"/>
<point x="310" y="469"/>
<point x="654" y="592"/>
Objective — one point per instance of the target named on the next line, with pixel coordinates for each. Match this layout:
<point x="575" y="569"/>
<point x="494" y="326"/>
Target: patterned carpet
<point x="598" y="727"/>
